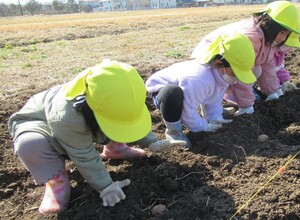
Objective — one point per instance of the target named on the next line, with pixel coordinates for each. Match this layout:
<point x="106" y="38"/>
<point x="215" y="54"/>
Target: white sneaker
<point x="241" y="111"/>
<point x="272" y="96"/>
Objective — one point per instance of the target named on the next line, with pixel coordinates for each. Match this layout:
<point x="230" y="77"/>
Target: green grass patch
<point x="38" y="57"/>
<point x="29" y="49"/>
<point x="174" y="54"/>
<point x="183" y="28"/>
<point x="27" y="65"/>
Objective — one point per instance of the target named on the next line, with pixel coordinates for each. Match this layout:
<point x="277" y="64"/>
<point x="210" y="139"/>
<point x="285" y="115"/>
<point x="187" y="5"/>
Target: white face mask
<point x="227" y="78"/>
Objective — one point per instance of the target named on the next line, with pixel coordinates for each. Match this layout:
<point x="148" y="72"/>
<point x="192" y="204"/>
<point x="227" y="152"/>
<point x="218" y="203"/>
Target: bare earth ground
<point x="210" y="181"/>
<point x="225" y="172"/>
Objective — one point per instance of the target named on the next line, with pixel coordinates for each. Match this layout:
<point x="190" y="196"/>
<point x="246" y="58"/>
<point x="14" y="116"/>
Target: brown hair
<point x="223" y="63"/>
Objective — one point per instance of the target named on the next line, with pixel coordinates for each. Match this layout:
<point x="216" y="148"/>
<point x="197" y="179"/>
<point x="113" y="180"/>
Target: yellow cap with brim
<point x="284" y="13"/>
<point x="237" y="50"/>
<point x="116" y="94"/>
<point x="293" y="40"/>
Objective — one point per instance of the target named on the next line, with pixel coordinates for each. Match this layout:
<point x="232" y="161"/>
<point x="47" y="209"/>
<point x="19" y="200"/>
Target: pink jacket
<point x="264" y="68"/>
<point x="282" y="74"/>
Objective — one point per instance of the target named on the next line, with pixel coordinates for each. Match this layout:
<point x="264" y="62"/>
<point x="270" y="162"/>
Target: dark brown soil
<point x="227" y="175"/>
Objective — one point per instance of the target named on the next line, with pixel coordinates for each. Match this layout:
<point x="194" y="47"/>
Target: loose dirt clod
<point x="158" y="209"/>
<point x="262" y="138"/>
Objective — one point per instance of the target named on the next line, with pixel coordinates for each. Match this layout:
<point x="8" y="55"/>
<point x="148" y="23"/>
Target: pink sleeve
<point x="282" y="74"/>
<point x="279" y="57"/>
<point x="268" y="80"/>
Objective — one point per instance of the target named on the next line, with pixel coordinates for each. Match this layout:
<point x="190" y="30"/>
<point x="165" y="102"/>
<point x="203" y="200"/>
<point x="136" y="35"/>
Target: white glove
<point x="287" y="86"/>
<point x="220" y="121"/>
<point x="279" y="92"/>
<point x="113" y="194"/>
<point x="241" y="111"/>
<point x="211" y="127"/>
<point x="164" y="144"/>
<point x="272" y="96"/>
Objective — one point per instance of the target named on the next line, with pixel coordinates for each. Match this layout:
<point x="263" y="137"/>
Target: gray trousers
<point x="38" y="156"/>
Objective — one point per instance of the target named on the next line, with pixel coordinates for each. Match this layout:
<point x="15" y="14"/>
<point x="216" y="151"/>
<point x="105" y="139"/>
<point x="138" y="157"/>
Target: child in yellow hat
<point x="180" y="89"/>
<point x="283" y="75"/>
<point x="103" y="104"/>
<point x="266" y="30"/>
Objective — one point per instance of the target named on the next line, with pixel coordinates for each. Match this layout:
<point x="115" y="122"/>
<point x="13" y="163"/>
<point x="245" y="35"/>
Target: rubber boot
<point x="57" y="194"/>
<point x="115" y="150"/>
<point x="174" y="132"/>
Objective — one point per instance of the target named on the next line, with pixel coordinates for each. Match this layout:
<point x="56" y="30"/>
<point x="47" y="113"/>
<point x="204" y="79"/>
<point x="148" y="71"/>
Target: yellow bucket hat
<point x="238" y="51"/>
<point x="116" y="94"/>
<point x="284" y="13"/>
<point x="293" y="40"/>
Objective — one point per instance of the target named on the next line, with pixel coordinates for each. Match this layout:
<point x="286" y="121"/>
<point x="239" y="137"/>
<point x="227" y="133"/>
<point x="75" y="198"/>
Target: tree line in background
<point x="33" y="7"/>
